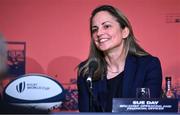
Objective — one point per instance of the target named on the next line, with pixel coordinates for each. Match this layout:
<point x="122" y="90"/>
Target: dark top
<point x="114" y="87"/>
<point x="139" y="71"/>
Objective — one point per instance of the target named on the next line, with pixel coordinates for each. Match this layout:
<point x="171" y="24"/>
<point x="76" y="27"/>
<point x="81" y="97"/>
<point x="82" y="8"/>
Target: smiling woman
<point x="123" y="66"/>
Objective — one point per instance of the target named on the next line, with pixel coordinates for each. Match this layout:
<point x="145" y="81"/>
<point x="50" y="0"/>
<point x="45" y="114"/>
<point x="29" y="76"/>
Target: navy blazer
<point x="139" y="71"/>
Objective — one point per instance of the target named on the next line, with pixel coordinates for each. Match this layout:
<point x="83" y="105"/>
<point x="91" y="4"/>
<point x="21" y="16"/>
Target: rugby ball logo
<point x="20" y="87"/>
<point x="35" y="90"/>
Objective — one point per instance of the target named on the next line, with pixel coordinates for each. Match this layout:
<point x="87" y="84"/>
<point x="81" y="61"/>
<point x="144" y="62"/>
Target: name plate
<point x="144" y="105"/>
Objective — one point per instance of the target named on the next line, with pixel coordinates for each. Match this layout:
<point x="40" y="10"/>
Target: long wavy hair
<point x="130" y="43"/>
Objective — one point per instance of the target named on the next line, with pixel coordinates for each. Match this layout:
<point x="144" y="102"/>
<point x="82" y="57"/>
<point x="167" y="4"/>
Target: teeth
<point x="103" y="40"/>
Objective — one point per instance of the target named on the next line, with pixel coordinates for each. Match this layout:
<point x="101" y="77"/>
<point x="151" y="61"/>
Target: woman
<point x="123" y="65"/>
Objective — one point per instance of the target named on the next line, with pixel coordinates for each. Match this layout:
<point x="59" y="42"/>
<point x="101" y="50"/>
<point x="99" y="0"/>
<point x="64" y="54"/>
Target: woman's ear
<point x="125" y="32"/>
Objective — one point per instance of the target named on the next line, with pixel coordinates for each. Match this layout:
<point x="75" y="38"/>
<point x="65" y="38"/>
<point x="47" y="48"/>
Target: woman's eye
<point x="107" y="26"/>
<point x="94" y="30"/>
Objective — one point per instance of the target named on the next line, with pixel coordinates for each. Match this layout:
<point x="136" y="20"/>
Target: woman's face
<point x="106" y="32"/>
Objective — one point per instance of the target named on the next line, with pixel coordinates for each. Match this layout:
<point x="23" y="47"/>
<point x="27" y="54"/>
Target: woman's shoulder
<point x="151" y="58"/>
<point x="81" y="64"/>
<point x="146" y="59"/>
<point x="80" y="69"/>
<point x="149" y="61"/>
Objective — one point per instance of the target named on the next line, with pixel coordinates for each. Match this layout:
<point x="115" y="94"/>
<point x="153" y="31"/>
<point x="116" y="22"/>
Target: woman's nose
<point x="100" y="32"/>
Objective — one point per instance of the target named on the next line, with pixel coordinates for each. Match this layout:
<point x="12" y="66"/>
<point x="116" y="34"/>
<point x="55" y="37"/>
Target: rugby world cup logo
<point x="21" y="87"/>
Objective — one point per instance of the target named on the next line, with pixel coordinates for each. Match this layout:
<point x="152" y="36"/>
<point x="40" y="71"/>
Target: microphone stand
<point x="90" y="94"/>
<point x="92" y="98"/>
<point x="93" y="65"/>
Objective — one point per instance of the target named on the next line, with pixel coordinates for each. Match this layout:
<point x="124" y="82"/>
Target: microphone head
<point x="93" y="65"/>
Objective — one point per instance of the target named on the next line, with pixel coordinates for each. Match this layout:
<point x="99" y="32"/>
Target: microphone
<point x="92" y="68"/>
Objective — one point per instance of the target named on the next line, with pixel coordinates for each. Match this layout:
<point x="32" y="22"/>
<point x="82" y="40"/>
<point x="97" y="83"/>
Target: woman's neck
<point x="115" y="62"/>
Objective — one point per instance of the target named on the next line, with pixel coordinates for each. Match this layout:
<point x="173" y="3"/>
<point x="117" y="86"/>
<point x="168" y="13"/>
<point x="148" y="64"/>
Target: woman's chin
<point x="104" y="49"/>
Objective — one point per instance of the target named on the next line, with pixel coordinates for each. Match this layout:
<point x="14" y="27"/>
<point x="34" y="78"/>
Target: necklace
<point x="113" y="71"/>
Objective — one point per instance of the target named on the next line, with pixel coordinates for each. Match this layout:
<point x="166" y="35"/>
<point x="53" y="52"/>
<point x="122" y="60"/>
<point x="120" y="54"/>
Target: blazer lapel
<point x="129" y="74"/>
